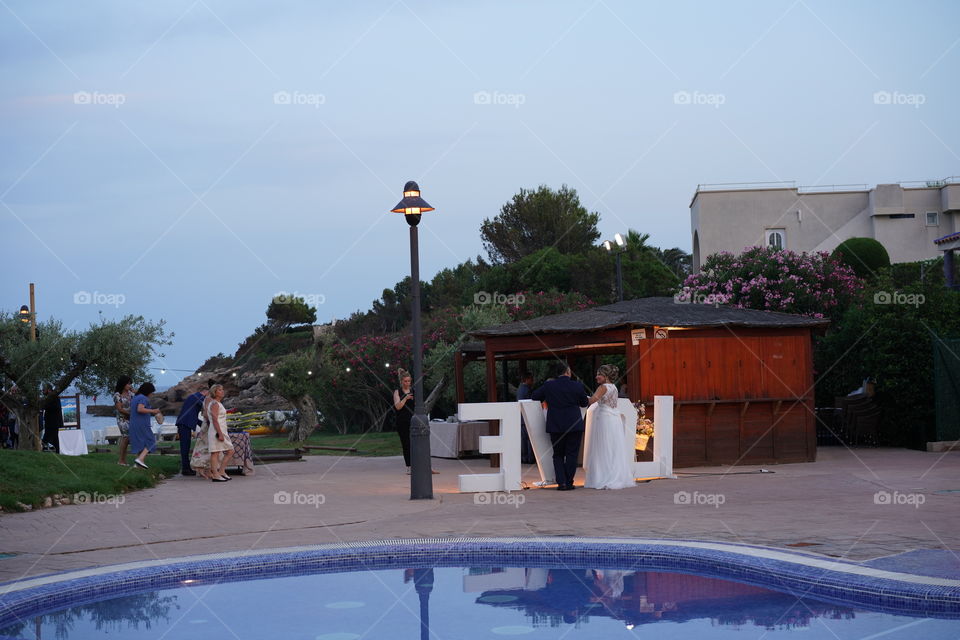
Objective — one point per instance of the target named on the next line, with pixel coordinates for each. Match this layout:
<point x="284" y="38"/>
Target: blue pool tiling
<point x="796" y="573"/>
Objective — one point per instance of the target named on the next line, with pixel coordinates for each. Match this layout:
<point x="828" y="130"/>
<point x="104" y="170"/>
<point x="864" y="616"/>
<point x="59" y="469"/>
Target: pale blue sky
<point x="192" y="158"/>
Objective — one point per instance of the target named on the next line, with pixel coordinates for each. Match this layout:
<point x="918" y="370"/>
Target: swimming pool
<point x="487" y="587"/>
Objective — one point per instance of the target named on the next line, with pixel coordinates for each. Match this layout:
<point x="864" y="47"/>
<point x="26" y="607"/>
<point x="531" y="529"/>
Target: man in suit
<point x="186" y="424"/>
<point x="564" y="397"/>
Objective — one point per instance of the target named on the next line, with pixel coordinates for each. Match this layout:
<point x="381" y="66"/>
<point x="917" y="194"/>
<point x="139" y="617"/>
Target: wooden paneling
<point x="723" y="441"/>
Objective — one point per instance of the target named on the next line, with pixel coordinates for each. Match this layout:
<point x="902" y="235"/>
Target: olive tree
<point x="91" y="360"/>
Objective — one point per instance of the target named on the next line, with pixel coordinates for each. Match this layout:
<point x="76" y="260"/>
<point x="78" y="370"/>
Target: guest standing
<point x="186" y="425"/>
<point x="403" y="412"/>
<point x="221" y="447"/>
<point x="564" y="397"/>
<point x="142" y="440"/>
<point x="52" y="418"/>
<point x="523" y="393"/>
<point x="122" y="395"/>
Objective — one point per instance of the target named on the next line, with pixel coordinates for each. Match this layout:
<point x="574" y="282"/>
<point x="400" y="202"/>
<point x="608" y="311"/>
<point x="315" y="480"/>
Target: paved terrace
<point x="829" y="507"/>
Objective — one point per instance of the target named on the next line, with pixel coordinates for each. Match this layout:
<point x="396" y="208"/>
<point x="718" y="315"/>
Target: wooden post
<point x="458" y="366"/>
<point x="491" y="374"/>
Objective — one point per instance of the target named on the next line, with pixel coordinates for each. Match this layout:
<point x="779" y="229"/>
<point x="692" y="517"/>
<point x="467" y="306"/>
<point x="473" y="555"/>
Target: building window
<point x="933" y="219"/>
<point x="776" y="238"/>
<point x="902" y="216"/>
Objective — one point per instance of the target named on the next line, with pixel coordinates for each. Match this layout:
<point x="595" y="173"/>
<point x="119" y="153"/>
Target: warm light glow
<point x="412" y="211"/>
<point x="199" y="375"/>
<point x="387" y="365"/>
<point x="309" y="373"/>
<point x="188" y="581"/>
<point x="348" y="369"/>
<point x="271" y="374"/>
<point x="234" y="374"/>
<point x="411" y="194"/>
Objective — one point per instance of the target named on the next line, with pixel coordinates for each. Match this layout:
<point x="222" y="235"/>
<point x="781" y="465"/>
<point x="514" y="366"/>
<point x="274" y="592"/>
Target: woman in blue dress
<point x="142" y="440"/>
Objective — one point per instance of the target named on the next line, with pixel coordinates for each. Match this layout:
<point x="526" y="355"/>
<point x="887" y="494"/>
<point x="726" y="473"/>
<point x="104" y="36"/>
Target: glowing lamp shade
<point x="24" y="313"/>
<point x="412" y="204"/>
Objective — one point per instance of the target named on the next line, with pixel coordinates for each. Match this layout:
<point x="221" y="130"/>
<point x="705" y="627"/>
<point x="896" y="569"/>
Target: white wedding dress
<point x="607" y="462"/>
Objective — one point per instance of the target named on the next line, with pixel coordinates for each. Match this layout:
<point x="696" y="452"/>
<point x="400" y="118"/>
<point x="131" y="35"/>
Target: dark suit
<point x="186" y="424"/>
<point x="564" y="397"/>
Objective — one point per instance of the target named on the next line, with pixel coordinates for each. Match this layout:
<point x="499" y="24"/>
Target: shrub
<point x="865" y="256"/>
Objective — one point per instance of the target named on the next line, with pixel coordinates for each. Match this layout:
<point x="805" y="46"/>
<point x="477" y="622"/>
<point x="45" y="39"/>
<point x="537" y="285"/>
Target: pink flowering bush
<point x="530" y="304"/>
<point x="810" y="284"/>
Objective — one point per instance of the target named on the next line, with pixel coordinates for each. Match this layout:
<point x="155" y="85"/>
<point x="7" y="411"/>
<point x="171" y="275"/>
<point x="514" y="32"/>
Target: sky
<point x="187" y="160"/>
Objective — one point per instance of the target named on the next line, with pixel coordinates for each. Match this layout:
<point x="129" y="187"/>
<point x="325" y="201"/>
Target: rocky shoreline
<point x="245" y="393"/>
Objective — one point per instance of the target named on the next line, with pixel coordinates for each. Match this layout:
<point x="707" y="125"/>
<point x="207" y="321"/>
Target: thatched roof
<point x="649" y="312"/>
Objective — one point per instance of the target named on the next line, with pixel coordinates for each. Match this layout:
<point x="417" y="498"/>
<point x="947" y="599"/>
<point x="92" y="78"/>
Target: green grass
<point x="28" y="477"/>
<point x="369" y="444"/>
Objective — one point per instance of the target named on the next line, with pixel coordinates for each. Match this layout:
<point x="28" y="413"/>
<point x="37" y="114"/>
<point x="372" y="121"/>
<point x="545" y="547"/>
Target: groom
<point x="564" y="397"/>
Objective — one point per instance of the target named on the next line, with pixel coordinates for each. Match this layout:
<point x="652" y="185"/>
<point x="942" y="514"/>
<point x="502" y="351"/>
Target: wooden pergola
<point x="742" y="380"/>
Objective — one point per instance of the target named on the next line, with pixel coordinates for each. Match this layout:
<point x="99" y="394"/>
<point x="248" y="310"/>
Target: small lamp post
<point x="421" y="479"/>
<point x="620" y="246"/>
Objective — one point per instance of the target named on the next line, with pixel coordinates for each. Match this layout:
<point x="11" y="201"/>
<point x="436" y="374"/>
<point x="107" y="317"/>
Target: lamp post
<point x="620" y="246"/>
<point x="421" y="480"/>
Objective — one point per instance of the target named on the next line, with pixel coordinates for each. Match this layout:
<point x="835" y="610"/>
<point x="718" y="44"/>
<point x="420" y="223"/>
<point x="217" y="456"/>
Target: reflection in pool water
<point x="465" y="603"/>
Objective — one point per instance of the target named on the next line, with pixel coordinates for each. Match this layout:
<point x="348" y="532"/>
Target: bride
<point x="608" y="460"/>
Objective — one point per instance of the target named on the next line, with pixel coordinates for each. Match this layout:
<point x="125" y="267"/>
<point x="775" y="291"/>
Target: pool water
<point x="474" y="602"/>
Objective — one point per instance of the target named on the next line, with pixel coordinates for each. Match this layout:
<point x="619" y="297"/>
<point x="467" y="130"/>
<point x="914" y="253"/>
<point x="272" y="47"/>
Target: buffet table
<point x="453" y="439"/>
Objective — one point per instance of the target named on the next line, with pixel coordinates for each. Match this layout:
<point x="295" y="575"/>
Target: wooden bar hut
<point x="742" y="380"/>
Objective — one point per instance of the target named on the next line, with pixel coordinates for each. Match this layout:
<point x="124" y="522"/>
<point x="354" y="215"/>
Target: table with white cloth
<point x="453" y="439"/>
<point x="73" y="442"/>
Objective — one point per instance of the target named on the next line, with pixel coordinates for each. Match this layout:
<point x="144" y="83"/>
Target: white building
<point x="905" y="217"/>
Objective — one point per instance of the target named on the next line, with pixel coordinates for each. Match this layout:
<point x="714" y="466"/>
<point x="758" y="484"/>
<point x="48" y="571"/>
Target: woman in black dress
<point x="403" y="412"/>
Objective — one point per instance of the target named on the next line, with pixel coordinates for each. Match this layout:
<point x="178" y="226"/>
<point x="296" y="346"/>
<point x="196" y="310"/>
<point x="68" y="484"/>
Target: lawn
<point x="29" y="477"/>
<point x="366" y="444"/>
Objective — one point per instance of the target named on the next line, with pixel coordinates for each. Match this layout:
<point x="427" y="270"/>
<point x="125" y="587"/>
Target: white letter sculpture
<point x="507" y="444"/>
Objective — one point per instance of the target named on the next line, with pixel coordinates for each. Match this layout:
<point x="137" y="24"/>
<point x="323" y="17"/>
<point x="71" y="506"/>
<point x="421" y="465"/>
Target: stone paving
<point x="858" y="504"/>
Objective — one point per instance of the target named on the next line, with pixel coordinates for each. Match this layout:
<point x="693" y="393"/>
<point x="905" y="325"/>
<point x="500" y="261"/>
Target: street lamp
<point x="620" y="246"/>
<point x="421" y="480"/>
